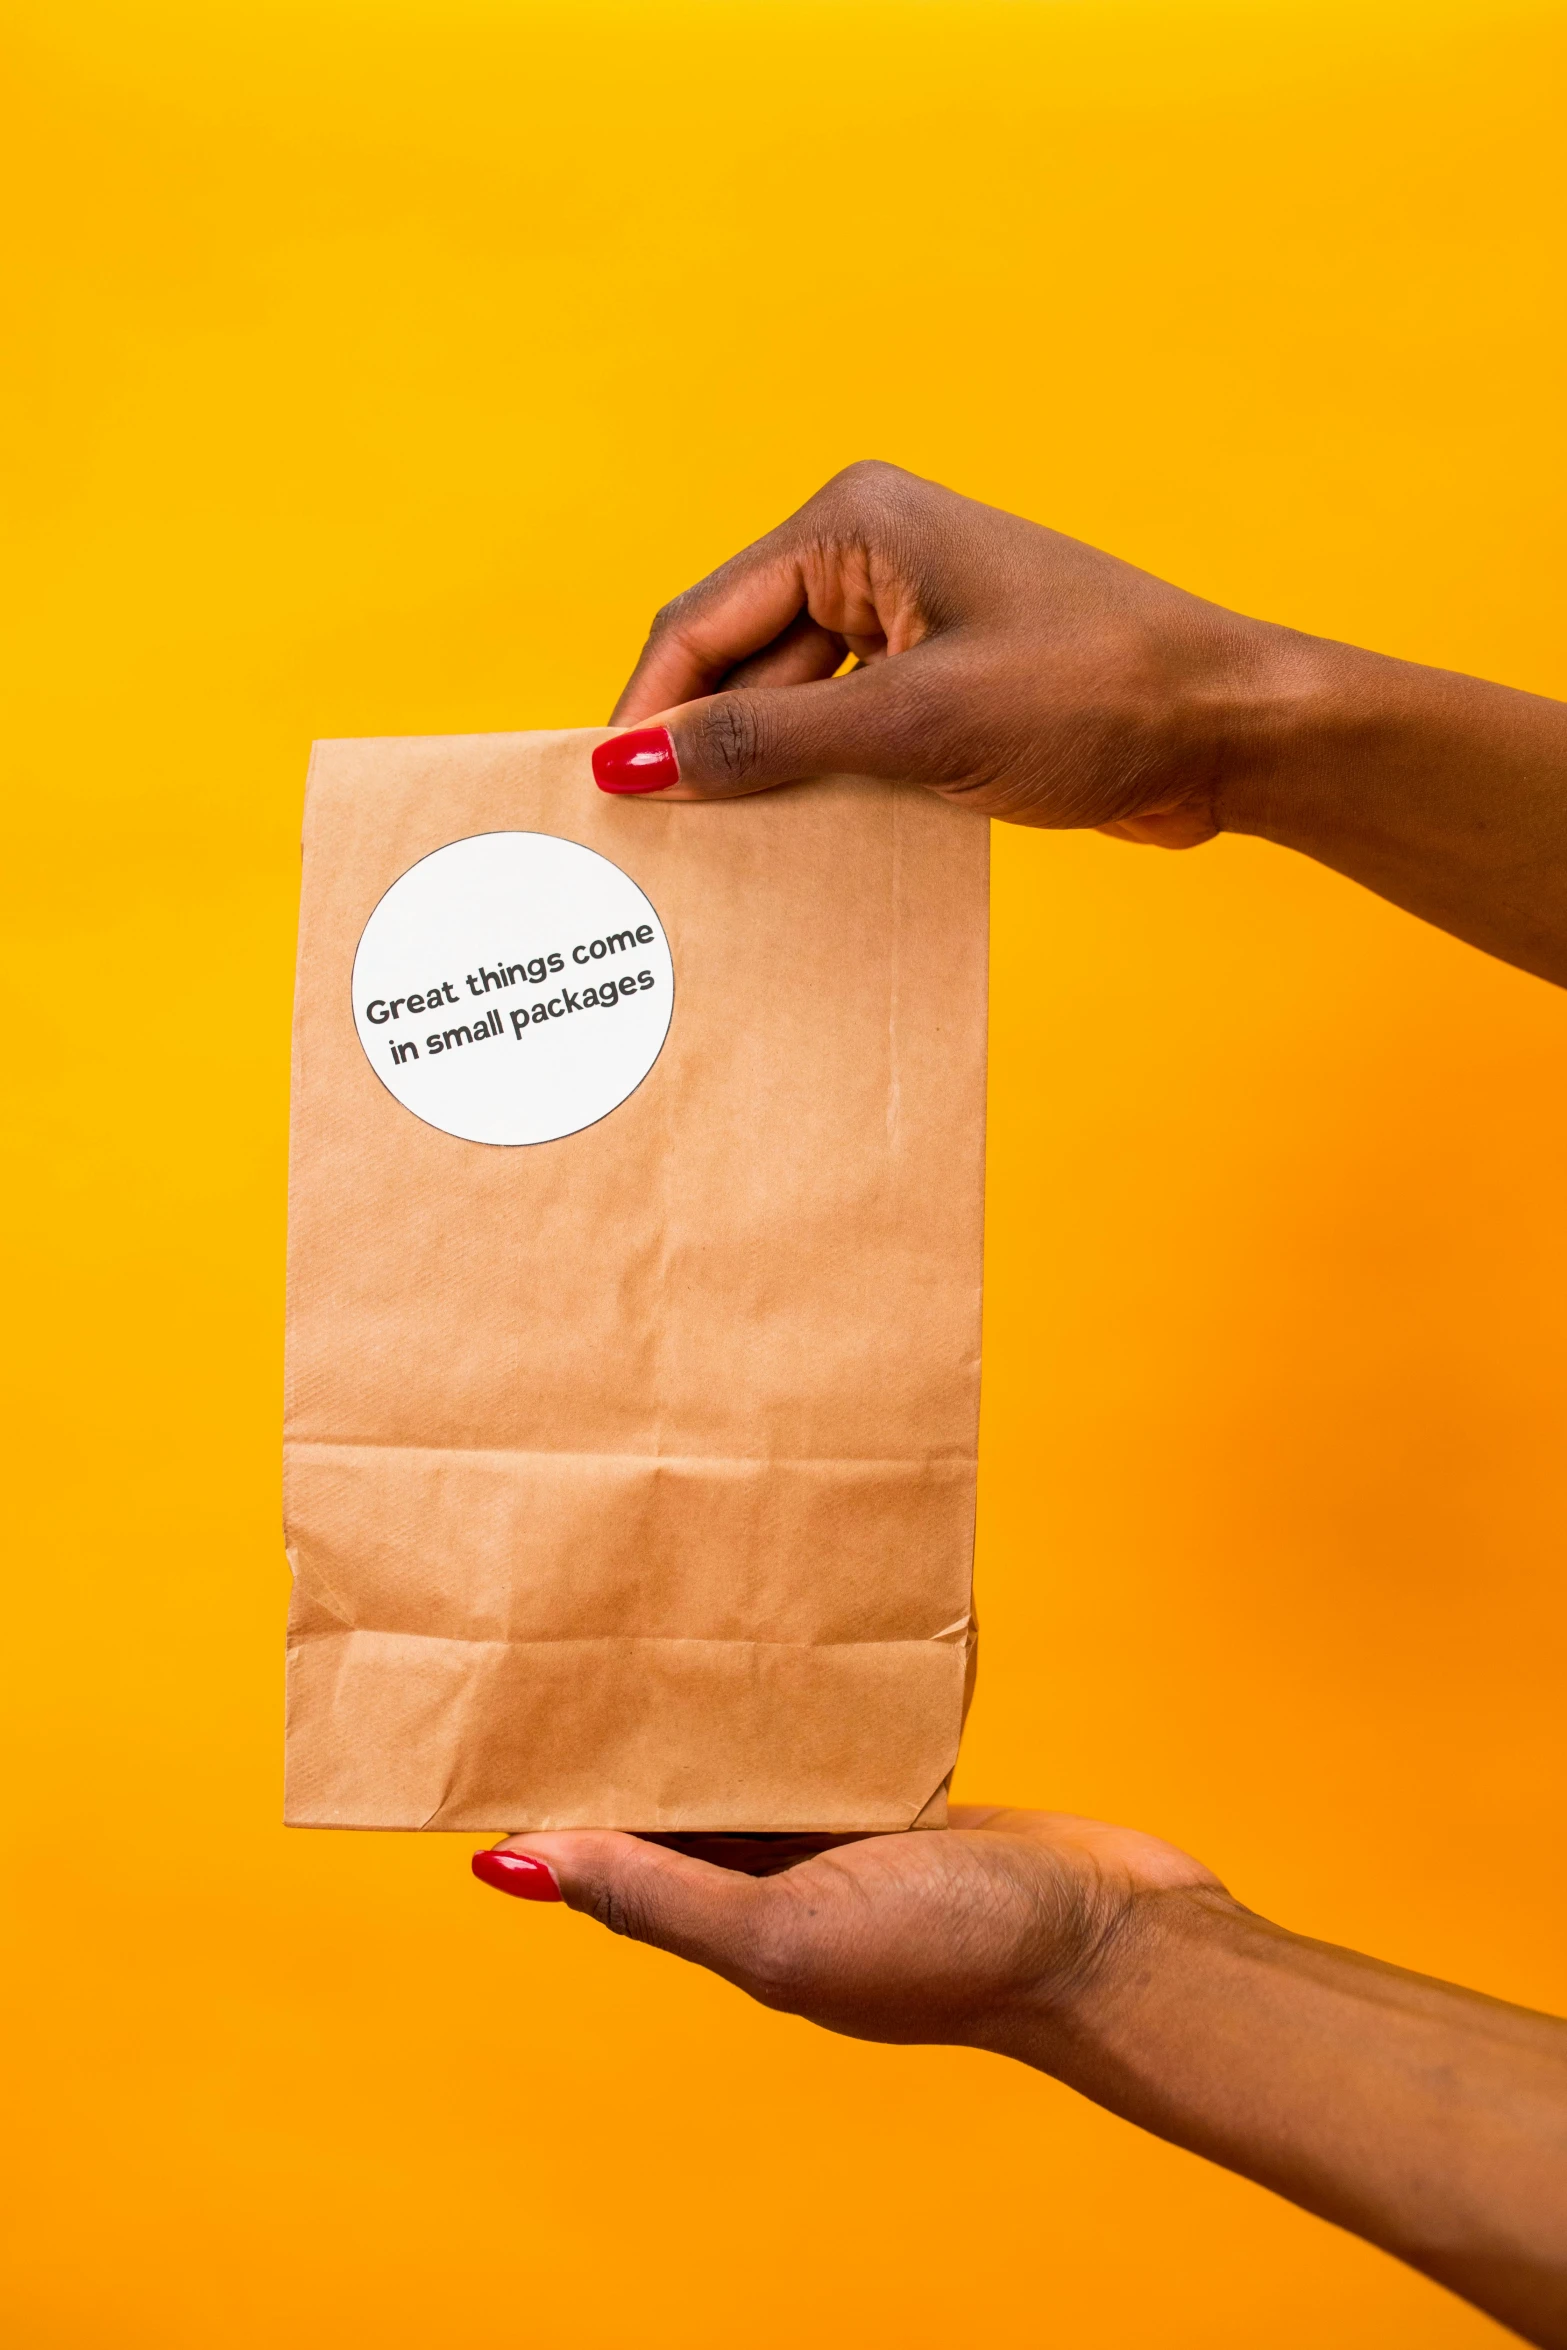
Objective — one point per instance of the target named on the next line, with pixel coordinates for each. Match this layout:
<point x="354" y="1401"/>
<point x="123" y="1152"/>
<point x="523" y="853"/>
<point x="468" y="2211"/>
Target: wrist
<point x="1133" y="1958"/>
<point x="1263" y="722"/>
<point x="1301" y="718"/>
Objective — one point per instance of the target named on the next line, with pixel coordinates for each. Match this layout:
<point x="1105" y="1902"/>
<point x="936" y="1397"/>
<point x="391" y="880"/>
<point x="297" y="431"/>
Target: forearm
<point x="1430" y="2120"/>
<point x="1444" y="793"/>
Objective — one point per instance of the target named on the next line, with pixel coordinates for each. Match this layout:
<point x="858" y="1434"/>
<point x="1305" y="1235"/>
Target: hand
<point x="970" y="1933"/>
<point x="1428" y="2119"/>
<point x="1031" y="677"/>
<point x="1019" y="671"/>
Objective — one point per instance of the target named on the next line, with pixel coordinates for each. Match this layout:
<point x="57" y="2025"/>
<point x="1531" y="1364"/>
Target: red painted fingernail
<point x="517" y="1872"/>
<point x="642" y="759"/>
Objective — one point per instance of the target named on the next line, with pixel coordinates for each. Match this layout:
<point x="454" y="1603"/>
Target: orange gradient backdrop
<point x="384" y="364"/>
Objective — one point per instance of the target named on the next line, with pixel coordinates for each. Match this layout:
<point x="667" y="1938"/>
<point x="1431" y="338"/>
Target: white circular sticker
<point x="513" y="988"/>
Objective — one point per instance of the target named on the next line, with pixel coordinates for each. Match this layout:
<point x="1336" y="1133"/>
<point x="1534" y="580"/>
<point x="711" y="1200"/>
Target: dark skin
<point x="1038" y="680"/>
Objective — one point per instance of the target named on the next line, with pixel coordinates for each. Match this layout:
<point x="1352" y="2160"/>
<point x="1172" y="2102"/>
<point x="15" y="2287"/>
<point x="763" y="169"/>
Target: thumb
<point x="645" y="1891"/>
<point x="874" y="721"/>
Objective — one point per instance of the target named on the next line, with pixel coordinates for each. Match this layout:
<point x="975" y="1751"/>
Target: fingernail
<point x="517" y="1872"/>
<point x="642" y="759"/>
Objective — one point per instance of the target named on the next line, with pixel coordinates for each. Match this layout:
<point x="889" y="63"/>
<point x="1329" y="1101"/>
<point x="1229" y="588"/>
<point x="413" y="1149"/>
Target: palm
<point x="931" y="1936"/>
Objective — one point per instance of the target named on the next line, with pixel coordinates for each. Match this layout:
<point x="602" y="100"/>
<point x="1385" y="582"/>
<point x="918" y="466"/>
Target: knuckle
<point x="617" y="1907"/>
<point x="668" y="617"/>
<point x="873" y="486"/>
<point x="680" y="621"/>
<point x="734" y="736"/>
<point x="875" y="474"/>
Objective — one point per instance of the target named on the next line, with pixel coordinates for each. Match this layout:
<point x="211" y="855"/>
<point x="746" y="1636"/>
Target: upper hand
<point x="1004" y="665"/>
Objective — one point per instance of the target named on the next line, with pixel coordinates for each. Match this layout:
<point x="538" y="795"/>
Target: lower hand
<point x="1428" y="2119"/>
<point x="976" y="1933"/>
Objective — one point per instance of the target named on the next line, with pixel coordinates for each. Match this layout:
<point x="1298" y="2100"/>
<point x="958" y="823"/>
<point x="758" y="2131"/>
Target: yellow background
<point x="383" y="366"/>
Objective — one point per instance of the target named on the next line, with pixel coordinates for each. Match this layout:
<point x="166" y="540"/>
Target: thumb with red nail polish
<point x="748" y="739"/>
<point x="519" y="1873"/>
<point x="640" y="760"/>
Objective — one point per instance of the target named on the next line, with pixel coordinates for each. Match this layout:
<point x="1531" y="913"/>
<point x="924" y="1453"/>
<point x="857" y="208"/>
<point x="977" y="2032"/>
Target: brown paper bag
<point x="630" y="1473"/>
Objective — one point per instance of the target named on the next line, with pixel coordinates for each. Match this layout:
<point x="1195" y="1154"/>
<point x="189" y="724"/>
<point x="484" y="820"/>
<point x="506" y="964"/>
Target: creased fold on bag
<point x="630" y="1476"/>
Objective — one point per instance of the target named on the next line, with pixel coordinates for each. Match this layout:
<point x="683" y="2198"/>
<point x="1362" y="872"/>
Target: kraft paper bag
<point x="634" y="1297"/>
